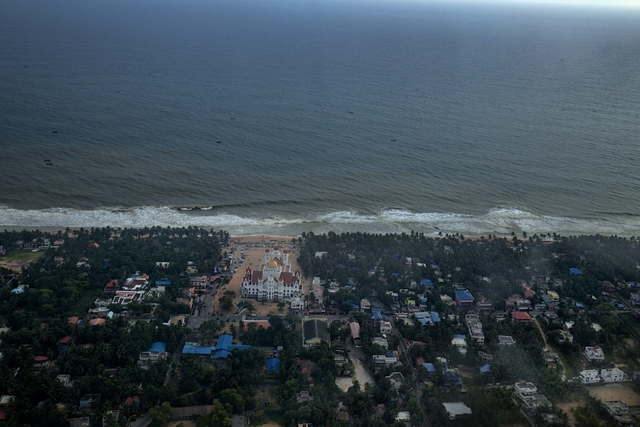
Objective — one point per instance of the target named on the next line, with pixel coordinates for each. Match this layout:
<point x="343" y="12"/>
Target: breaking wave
<point x="500" y="221"/>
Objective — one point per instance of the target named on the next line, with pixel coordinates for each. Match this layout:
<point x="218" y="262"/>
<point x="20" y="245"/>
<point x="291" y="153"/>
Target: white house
<point x="385" y="327"/>
<point x="505" y="340"/>
<point x="613" y="375"/>
<point x="589" y="376"/>
<point x="594" y="354"/>
<point x="525" y="388"/>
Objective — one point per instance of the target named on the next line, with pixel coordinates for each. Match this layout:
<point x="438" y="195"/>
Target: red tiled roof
<point x="131" y="400"/>
<point x="112" y="284"/>
<point x="517" y="315"/>
<point x="72" y="320"/>
<point x="97" y="322"/>
<point x="3" y="414"/>
<point x="65" y="340"/>
<point x="40" y="358"/>
<point x="257" y="275"/>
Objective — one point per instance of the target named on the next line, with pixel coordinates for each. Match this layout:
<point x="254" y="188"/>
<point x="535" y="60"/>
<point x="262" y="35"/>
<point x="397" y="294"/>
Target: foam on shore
<point x="500" y="221"/>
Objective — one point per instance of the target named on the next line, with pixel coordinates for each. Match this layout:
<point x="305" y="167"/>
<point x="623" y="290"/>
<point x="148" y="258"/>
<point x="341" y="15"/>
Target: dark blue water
<point x="382" y="116"/>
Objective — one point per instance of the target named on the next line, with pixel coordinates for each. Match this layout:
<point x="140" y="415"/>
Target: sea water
<point x="290" y="116"/>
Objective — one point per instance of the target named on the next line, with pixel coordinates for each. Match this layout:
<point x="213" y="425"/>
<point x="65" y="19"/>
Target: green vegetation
<point x="401" y="273"/>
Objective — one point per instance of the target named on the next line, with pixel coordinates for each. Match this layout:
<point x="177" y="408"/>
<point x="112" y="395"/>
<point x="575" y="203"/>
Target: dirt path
<point x="548" y="348"/>
<point x="568" y="408"/>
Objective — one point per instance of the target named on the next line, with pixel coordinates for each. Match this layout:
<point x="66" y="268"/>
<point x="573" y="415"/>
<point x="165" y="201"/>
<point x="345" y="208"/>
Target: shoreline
<point x="268" y="238"/>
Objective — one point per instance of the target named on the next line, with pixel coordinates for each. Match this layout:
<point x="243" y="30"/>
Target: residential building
<point x="550" y="359"/>
<point x="111" y="287"/>
<point x="590" y="376"/>
<point x="274" y="280"/>
<point x="475" y="328"/>
<point x="156" y="352"/>
<point x="505" y="340"/>
<point x="382" y="359"/>
<point x="619" y="411"/>
<point x="525" y="388"/>
<point x="613" y="375"/>
<point x="520" y="317"/>
<point x="565" y="336"/>
<point x="460" y="341"/>
<point x="385" y="327"/>
<point x="396" y="379"/>
<point x="534" y="402"/>
<point x="485" y="357"/>
<point x="355" y="333"/>
<point x="452" y="377"/>
<point x="456" y="409"/>
<point x="484" y="306"/>
<point x="594" y="354"/>
<point x="200" y="284"/>
<point x="464" y="299"/>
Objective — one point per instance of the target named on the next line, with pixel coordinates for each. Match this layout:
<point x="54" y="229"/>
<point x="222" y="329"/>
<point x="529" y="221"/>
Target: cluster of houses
<point x="612" y="375"/>
<point x="528" y="395"/>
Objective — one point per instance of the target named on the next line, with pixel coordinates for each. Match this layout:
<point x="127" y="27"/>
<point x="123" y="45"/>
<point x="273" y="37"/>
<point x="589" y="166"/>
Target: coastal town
<point x="191" y="327"/>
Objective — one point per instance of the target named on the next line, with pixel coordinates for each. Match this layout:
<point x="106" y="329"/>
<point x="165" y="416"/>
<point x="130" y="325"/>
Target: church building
<point x="274" y="280"/>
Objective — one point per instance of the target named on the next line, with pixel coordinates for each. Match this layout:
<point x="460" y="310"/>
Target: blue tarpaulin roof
<point x="164" y="282"/>
<point x="575" y="271"/>
<point x="158" y="347"/>
<point x="221" y="350"/>
<point x="426" y="282"/>
<point x="197" y="349"/>
<point x="459" y="336"/>
<point x="17" y="291"/>
<point x="224" y="341"/>
<point x="485" y="369"/>
<point x="430" y="367"/>
<point x="435" y="316"/>
<point x="377" y="315"/>
<point x="464" y="295"/>
<point x="273" y="365"/>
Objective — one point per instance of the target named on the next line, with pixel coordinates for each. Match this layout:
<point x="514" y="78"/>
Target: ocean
<point x="320" y="115"/>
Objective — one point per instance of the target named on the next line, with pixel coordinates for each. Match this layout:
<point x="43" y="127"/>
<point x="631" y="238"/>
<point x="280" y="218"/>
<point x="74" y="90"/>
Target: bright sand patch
<point x="362" y="376"/>
<point x="17" y="259"/>
<point x="615" y="391"/>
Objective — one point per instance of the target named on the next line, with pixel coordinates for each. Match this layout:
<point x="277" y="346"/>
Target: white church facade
<point x="274" y="280"/>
